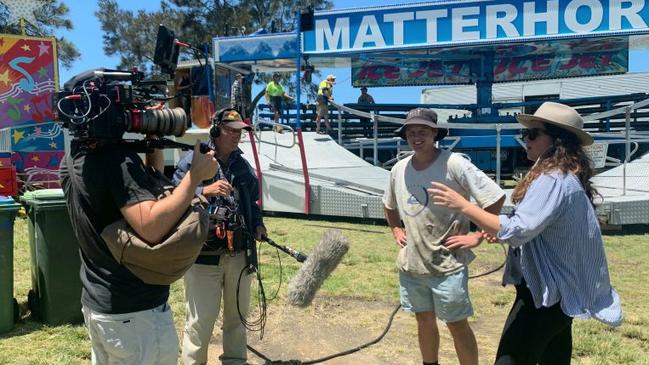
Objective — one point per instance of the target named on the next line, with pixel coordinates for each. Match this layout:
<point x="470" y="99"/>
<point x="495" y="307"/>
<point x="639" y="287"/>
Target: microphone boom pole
<point x="297" y="255"/>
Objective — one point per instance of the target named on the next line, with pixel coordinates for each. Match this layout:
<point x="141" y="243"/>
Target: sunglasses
<point x="532" y="133"/>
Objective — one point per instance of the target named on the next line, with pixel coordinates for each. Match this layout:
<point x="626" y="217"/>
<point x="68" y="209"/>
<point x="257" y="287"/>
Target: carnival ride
<point x="445" y="43"/>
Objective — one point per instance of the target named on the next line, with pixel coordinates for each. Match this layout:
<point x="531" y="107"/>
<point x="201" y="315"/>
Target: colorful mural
<point x="511" y="62"/>
<point x="28" y="81"/>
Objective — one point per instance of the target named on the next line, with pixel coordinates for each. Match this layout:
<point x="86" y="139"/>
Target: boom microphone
<point x="297" y="255"/>
<point x="323" y="260"/>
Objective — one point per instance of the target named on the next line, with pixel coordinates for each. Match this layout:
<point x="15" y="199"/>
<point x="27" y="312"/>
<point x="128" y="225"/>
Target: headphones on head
<point x="215" y="130"/>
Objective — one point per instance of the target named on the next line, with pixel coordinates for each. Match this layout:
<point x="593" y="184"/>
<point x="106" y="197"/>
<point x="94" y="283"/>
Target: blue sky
<point x="87" y="36"/>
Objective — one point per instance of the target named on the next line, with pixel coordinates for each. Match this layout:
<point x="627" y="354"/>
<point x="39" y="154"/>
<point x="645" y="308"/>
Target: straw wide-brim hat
<point x="559" y="115"/>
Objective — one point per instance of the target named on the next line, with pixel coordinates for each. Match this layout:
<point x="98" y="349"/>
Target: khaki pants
<point x="205" y="285"/>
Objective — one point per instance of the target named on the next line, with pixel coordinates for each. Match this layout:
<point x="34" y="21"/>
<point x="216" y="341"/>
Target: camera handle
<point x="162" y="143"/>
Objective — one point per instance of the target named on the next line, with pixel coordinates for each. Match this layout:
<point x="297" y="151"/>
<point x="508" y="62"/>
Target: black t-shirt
<point x="96" y="187"/>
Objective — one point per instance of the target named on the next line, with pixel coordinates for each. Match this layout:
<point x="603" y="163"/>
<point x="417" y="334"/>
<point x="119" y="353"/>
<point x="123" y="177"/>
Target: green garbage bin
<point x="8" y="209"/>
<point x="55" y="297"/>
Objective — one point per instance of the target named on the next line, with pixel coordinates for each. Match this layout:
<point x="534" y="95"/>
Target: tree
<point x="279" y="16"/>
<point x="230" y="18"/>
<point x="132" y="35"/>
<point x="205" y="19"/>
<point x="50" y="16"/>
<point x="195" y="21"/>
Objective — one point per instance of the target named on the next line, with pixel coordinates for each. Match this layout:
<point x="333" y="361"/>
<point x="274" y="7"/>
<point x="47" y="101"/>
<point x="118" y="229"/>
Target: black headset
<point x="215" y="130"/>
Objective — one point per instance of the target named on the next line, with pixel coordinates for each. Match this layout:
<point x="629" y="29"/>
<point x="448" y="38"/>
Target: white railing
<point x="376" y="118"/>
<point x="627" y="136"/>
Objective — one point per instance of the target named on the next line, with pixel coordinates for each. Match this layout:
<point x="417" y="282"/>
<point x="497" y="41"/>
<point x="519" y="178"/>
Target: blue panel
<point x="483" y="142"/>
<point x="439" y="24"/>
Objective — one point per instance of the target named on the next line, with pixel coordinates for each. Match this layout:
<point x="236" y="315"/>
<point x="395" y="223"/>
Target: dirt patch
<point x="333" y="325"/>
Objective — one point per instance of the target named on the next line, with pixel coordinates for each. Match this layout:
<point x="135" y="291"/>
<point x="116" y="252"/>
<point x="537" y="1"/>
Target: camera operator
<point x="223" y="267"/>
<point x="128" y="321"/>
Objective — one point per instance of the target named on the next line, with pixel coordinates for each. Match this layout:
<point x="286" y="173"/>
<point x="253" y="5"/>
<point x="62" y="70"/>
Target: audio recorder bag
<point x="167" y="261"/>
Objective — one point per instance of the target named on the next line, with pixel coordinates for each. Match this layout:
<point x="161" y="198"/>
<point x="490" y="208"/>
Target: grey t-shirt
<point x="427" y="225"/>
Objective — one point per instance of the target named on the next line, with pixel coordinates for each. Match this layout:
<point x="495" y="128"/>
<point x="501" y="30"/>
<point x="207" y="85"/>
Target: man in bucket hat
<point x="434" y="246"/>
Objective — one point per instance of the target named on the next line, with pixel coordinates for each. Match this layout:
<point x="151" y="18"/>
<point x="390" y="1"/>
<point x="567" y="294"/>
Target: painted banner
<point x="38" y="151"/>
<point x="455" y="23"/>
<point x="28" y="78"/>
<point x="28" y="81"/>
<point x="560" y="66"/>
<point x="411" y="71"/>
<point x="255" y="48"/>
<point x="560" y="59"/>
<point x="515" y="62"/>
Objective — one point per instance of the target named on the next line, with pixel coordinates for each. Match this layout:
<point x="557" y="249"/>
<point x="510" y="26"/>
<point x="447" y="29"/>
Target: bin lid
<point x="8" y="203"/>
<point x="44" y="197"/>
<point x="44" y="194"/>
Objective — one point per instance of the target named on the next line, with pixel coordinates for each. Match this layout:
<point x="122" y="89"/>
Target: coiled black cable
<point x="258" y="324"/>
<point x="493" y="270"/>
<point x="346" y="352"/>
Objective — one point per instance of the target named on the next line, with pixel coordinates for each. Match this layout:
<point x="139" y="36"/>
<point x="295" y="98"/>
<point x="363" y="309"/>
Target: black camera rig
<point x="104" y="104"/>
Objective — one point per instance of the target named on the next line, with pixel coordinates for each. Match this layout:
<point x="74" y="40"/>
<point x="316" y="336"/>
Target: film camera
<point x="104" y="104"/>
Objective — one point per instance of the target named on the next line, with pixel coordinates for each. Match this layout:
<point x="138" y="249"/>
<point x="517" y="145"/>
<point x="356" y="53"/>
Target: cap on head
<point x="233" y="119"/>
<point x="231" y="115"/>
<point x="422" y="116"/>
<point x="331" y="78"/>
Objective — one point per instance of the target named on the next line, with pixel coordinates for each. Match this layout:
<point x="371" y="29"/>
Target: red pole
<point x="305" y="172"/>
<point x="251" y="134"/>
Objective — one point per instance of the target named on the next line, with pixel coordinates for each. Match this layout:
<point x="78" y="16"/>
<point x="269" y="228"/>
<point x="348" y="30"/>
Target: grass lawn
<point x="367" y="274"/>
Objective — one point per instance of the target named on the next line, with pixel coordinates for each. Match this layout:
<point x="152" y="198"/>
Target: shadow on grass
<point x="23" y="327"/>
<point x="27" y="323"/>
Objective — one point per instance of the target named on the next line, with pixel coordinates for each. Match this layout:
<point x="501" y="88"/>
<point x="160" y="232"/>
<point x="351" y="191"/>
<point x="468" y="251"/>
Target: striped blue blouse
<point x="556" y="246"/>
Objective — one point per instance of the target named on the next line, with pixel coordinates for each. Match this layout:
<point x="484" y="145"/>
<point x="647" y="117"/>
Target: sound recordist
<point x="228" y="259"/>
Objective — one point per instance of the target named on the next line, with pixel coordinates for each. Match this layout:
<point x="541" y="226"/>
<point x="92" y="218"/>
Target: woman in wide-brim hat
<point x="556" y="257"/>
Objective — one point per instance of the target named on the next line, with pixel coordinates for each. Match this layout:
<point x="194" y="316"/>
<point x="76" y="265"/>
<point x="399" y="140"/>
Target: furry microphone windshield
<point x="316" y="269"/>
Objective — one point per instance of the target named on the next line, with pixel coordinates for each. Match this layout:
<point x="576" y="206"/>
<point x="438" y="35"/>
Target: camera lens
<point x="163" y="122"/>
